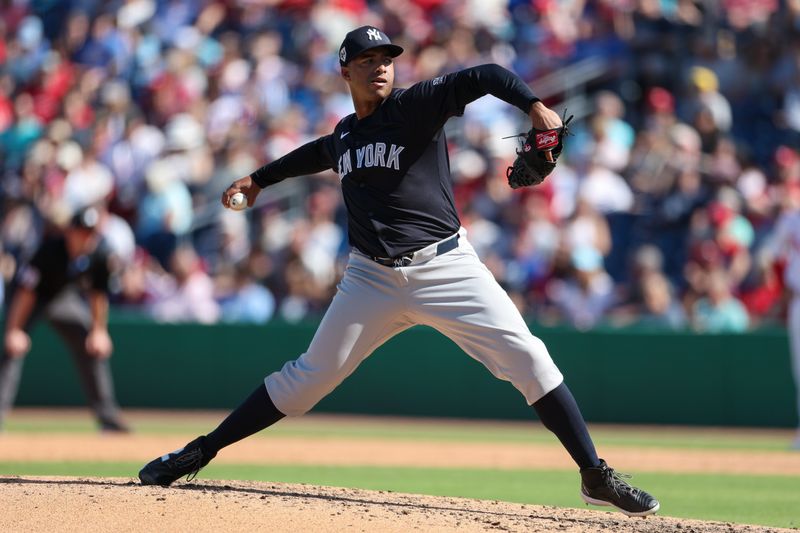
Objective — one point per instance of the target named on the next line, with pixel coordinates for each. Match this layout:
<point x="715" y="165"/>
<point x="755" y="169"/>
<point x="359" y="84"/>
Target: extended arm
<point x="16" y="340"/>
<point x="473" y="83"/>
<point x="98" y="342"/>
<point x="310" y="158"/>
<point x="448" y="95"/>
<point x="507" y="86"/>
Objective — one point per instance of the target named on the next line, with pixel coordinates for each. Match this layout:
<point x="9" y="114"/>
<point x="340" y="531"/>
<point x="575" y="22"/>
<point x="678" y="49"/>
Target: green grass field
<point x="749" y="499"/>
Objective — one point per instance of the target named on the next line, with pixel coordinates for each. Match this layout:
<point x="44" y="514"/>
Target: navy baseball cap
<point x="365" y="38"/>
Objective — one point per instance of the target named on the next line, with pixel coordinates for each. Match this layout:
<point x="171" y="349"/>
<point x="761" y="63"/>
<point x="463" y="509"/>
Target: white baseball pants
<point x="793" y="325"/>
<point x="453" y="293"/>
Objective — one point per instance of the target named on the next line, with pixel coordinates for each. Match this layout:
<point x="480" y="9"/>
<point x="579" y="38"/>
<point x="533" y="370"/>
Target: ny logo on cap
<point x="374" y="35"/>
<point x="343" y="55"/>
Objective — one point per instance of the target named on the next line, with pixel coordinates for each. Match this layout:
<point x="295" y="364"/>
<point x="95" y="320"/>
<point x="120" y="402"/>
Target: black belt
<point x="406" y="259"/>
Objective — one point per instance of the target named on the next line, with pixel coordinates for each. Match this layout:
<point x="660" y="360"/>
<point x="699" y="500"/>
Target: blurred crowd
<point x="686" y="148"/>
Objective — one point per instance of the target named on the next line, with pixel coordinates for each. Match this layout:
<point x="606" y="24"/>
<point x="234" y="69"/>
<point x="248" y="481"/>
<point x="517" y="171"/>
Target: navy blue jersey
<point x="393" y="163"/>
<point x="52" y="269"/>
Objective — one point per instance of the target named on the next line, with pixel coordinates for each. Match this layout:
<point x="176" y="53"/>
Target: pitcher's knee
<point x="296" y="390"/>
<point x="536" y="386"/>
<point x="533" y="372"/>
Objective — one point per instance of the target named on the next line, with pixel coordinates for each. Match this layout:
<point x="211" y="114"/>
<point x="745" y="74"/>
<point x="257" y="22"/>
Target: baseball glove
<point x="537" y="156"/>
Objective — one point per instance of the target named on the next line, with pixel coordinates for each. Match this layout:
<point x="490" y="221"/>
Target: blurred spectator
<point x="612" y="136"/>
<point x="20" y="136"/>
<point x="190" y="298"/>
<point x="87" y="183"/>
<point x="306" y="290"/>
<point x="762" y="294"/>
<point x="605" y="190"/>
<point x="653" y="303"/>
<point x="587" y="228"/>
<point x="659" y="307"/>
<point x="484" y="235"/>
<point x="648" y="296"/>
<point x="324" y="237"/>
<point x="731" y="235"/>
<point x="246" y="301"/>
<point x="165" y="212"/>
<point x="719" y="311"/>
<point x="7" y="267"/>
<point x="534" y="247"/>
<point x="584" y="297"/>
<point x="705" y="107"/>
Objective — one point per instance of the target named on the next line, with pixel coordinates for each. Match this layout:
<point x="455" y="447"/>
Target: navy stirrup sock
<point x="559" y="413"/>
<point x="254" y="414"/>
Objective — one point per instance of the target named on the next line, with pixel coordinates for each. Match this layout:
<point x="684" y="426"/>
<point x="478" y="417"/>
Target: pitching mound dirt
<point x="48" y="504"/>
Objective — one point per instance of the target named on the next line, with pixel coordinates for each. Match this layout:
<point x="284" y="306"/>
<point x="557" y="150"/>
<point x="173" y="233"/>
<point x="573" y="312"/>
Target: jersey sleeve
<point x="310" y="158"/>
<point x="29" y="274"/>
<point x="439" y="99"/>
<point x="99" y="272"/>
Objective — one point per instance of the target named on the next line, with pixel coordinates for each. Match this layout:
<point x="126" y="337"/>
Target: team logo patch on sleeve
<point x="546" y="139"/>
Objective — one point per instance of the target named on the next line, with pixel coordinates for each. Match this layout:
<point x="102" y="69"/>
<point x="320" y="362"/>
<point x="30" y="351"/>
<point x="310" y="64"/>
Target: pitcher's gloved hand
<point x="537" y="156"/>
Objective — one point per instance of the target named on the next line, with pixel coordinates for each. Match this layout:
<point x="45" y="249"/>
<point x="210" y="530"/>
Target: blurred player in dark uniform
<point x="66" y="283"/>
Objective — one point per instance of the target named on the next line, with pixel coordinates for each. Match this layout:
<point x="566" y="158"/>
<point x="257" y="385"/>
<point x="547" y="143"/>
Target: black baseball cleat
<point x="186" y="461"/>
<point x="601" y="485"/>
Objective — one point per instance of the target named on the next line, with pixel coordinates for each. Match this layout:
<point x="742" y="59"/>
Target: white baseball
<point x="238" y="201"/>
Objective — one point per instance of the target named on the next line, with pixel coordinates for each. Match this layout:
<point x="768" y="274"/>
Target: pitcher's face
<point x="370" y="75"/>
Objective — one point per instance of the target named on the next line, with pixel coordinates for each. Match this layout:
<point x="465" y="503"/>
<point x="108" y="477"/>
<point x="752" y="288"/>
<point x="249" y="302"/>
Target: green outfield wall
<point x="617" y="376"/>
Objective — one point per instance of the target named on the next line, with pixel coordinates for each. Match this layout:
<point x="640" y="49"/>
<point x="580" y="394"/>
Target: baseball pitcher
<point x="411" y="261"/>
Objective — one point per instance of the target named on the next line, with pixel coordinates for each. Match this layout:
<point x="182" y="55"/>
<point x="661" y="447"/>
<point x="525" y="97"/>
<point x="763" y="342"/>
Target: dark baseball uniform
<point x="411" y="262"/>
<point x="59" y="283"/>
